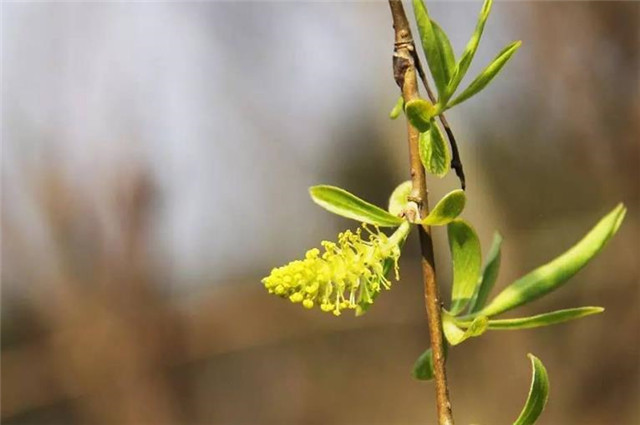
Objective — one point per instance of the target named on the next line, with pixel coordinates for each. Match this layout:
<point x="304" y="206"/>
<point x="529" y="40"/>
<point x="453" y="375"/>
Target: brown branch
<point x="456" y="162"/>
<point x="404" y="69"/>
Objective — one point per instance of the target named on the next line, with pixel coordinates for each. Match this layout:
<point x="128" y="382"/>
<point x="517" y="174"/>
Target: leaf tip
<point x="620" y="212"/>
<point x="538" y="393"/>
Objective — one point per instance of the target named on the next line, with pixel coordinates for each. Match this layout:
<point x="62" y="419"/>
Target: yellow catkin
<point x="347" y="275"/>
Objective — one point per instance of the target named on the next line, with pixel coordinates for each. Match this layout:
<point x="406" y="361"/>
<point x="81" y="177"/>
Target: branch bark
<point x="404" y="70"/>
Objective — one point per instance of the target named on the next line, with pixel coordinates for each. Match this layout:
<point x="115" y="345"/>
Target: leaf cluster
<point x="447" y="73"/>
<point x="470" y="313"/>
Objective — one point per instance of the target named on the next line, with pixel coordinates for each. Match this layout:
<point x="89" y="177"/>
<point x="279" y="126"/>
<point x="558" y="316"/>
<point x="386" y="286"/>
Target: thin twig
<point x="404" y="70"/>
<point x="456" y="162"/>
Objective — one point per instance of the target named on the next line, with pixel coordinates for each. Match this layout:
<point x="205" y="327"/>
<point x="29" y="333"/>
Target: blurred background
<point x="155" y="164"/>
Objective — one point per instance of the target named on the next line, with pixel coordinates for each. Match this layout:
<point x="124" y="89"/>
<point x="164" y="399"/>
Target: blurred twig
<point x="98" y="274"/>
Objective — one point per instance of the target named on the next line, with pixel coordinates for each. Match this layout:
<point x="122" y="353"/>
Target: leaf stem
<point x="404" y="69"/>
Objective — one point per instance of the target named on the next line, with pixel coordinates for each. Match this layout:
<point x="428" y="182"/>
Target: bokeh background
<point x="155" y="164"/>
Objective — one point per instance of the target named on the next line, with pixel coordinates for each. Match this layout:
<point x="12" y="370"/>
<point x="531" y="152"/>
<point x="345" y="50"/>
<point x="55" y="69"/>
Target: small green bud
<point x="419" y="113"/>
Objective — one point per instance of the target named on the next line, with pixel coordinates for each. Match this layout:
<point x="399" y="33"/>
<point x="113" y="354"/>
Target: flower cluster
<point x="347" y="275"/>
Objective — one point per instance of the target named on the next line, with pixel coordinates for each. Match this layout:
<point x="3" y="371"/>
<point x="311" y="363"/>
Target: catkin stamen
<point x="347" y="275"/>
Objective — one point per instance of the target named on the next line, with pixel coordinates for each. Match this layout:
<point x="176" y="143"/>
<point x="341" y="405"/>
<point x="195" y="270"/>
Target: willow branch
<point x="404" y="70"/>
<point x="456" y="162"/>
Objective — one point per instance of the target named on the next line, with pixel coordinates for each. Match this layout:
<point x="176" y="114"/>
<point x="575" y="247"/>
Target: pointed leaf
<point x="489" y="275"/>
<point x="431" y="46"/>
<point x="488" y="74"/>
<point x="345" y="204"/>
<point x="538" y="394"/>
<point x="446" y="50"/>
<point x="419" y="113"/>
<point x="456" y="335"/>
<point x="434" y="152"/>
<point x="545" y="319"/>
<point x="552" y="275"/>
<point x="467" y="260"/>
<point x="447" y="209"/>
<point x="397" y="109"/>
<point x="399" y="198"/>
<point x="423" y="367"/>
<point x="470" y="50"/>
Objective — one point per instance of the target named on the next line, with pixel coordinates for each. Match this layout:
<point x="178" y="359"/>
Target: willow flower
<point x="349" y="274"/>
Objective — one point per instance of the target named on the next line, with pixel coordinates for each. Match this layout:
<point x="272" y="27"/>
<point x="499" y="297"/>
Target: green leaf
<point x="488" y="74"/>
<point x="552" y="275"/>
<point x="456" y="335"/>
<point x="545" y="319"/>
<point x="399" y="198"/>
<point x="446" y="50"/>
<point x="489" y="275"/>
<point x="447" y="209"/>
<point x="538" y="394"/>
<point x="423" y="367"/>
<point x="397" y="109"/>
<point x="470" y="50"/>
<point x="434" y="152"/>
<point x="467" y="261"/>
<point x="431" y="46"/>
<point x="419" y="113"/>
<point x="345" y="204"/>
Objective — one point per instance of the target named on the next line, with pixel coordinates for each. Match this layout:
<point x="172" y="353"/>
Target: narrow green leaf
<point x="456" y="335"/>
<point x="397" y="109"/>
<point x="488" y="276"/>
<point x="343" y="203"/>
<point x="446" y="50"/>
<point x="419" y="113"/>
<point x="470" y="50"/>
<point x="538" y="394"/>
<point x="447" y="209"/>
<point x="545" y="319"/>
<point x="423" y="367"/>
<point x="434" y="152"/>
<point x="467" y="261"/>
<point x="399" y="198"/>
<point x="552" y="275"/>
<point x="431" y="46"/>
<point x="488" y="74"/>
